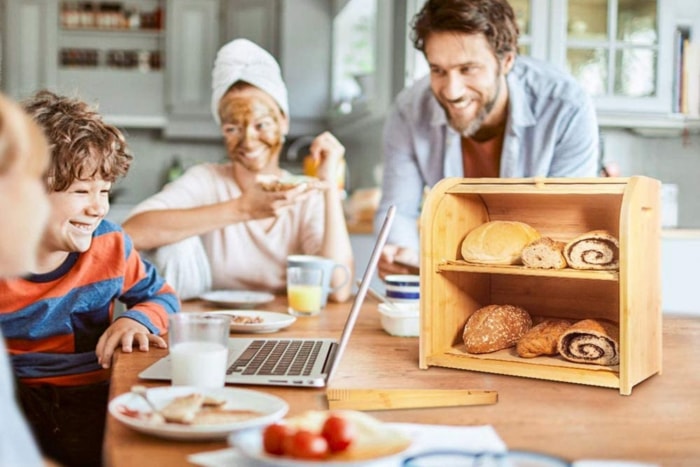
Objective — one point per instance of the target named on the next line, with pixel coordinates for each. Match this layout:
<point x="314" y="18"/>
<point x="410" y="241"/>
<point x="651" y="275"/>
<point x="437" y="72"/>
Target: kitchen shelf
<point x="650" y="124"/>
<point x="568" y="273"/>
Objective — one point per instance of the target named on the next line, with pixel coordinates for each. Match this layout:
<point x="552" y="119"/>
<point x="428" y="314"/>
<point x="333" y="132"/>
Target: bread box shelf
<point x="452" y="289"/>
<point x="521" y="270"/>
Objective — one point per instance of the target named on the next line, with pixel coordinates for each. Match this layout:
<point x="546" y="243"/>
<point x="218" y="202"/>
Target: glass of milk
<point x="198" y="349"/>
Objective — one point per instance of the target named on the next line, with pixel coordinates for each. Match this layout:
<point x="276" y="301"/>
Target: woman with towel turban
<point x="216" y="227"/>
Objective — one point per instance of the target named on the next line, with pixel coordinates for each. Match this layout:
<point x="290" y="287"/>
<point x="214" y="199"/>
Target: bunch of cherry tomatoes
<point x="336" y="435"/>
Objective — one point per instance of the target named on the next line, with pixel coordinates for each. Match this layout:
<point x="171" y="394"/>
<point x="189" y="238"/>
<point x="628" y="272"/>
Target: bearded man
<point x="217" y="226"/>
<point x="483" y="111"/>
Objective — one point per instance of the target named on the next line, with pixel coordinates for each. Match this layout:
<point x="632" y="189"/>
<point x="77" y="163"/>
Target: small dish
<point x="268" y="321"/>
<point x="237" y="298"/>
<point x="271" y="409"/>
<point x="400" y="319"/>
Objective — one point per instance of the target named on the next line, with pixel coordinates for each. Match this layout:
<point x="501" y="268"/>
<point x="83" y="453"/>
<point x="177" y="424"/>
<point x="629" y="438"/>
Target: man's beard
<point x="471" y="127"/>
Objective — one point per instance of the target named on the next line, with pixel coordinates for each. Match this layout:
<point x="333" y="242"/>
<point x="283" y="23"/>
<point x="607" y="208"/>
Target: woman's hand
<point x="327" y="153"/>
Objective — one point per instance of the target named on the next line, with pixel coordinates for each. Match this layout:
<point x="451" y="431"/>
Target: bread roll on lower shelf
<point x="495" y="327"/>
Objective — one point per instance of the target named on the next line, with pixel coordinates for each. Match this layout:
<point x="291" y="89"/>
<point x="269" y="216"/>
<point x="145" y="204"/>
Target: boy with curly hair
<point x="59" y="320"/>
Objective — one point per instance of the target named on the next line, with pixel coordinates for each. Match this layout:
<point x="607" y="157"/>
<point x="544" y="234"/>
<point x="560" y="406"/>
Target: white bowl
<point x="400" y="320"/>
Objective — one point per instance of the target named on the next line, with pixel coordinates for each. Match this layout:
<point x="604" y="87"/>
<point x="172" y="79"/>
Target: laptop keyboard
<point x="277" y="357"/>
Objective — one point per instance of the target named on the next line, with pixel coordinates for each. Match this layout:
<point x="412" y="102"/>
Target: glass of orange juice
<point x="304" y="291"/>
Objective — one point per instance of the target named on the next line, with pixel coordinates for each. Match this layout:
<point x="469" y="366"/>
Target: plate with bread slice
<point x="189" y="413"/>
<point x="323" y="438"/>
<point x="256" y="321"/>
<point x="237" y="298"/>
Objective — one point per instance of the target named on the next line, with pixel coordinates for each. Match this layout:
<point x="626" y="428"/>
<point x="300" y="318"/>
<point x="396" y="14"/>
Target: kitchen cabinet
<point x="192" y="42"/>
<point x="257" y="20"/>
<point x="195" y="35"/>
<point x="29" y="58"/>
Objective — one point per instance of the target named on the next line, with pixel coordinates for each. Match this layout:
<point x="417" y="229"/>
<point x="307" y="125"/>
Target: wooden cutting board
<point x="388" y="399"/>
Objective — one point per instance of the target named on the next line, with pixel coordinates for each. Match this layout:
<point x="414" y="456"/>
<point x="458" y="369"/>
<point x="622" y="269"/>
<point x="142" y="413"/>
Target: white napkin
<point x="425" y="438"/>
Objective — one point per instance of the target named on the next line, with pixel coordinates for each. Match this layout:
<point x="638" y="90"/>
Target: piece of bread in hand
<point x="373" y="438"/>
<point x="495" y="327"/>
<point x="544" y="253"/>
<point x="542" y="339"/>
<point x="287" y="182"/>
<point x="498" y="242"/>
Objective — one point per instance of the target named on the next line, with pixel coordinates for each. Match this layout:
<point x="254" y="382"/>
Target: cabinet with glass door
<point x="621" y="52"/>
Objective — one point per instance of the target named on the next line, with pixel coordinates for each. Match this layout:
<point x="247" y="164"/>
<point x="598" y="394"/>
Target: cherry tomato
<point x="305" y="444"/>
<point x="339" y="432"/>
<point x="274" y="437"/>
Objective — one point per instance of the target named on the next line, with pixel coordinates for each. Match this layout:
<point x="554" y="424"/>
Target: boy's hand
<point x="124" y="332"/>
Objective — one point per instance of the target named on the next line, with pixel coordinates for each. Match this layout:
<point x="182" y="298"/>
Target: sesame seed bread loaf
<point x="498" y="242"/>
<point x="495" y="327"/>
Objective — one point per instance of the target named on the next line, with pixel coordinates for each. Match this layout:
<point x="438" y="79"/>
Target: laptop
<point x="303" y="362"/>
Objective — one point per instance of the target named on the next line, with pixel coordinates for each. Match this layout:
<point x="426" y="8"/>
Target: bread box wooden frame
<point x="452" y="289"/>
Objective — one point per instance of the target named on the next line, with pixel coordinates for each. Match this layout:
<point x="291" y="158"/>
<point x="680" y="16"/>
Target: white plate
<point x="272" y="321"/>
<point x="237" y="298"/>
<point x="271" y="407"/>
<point x="249" y="444"/>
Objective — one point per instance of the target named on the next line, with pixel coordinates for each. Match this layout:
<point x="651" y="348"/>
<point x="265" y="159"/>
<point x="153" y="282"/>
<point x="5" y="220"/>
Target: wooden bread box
<point x="561" y="208"/>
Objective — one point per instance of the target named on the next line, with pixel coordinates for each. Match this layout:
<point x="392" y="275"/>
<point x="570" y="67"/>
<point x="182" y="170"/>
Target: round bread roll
<point x="495" y="327"/>
<point x="498" y="242"/>
<point x="373" y="438"/>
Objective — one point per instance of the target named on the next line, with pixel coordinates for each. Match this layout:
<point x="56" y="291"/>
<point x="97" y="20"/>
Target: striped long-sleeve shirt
<point x="52" y="321"/>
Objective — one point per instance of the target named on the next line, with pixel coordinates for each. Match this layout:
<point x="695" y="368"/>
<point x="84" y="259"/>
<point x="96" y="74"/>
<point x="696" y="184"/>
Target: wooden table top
<point x="659" y="422"/>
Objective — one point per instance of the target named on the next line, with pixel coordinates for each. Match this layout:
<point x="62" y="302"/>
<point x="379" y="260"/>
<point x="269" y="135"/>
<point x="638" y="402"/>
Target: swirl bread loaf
<point x="495" y="327"/>
<point x="591" y="341"/>
<point x="498" y="242"/>
<point x="597" y="249"/>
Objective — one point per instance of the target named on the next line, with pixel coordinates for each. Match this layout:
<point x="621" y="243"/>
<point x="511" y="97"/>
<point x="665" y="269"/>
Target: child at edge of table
<point x="58" y="321"/>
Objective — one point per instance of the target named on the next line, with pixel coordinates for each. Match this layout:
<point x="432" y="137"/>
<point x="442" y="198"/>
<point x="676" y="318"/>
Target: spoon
<point x="142" y="391"/>
<point x="377" y="296"/>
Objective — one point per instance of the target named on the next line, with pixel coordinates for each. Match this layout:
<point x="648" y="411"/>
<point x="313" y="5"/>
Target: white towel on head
<point x="242" y="60"/>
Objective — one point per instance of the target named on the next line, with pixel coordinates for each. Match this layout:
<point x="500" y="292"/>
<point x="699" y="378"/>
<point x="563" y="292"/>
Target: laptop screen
<point x="362" y="291"/>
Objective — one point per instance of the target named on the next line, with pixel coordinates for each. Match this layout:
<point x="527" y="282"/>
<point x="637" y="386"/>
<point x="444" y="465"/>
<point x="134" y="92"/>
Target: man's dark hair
<point x="492" y="18"/>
